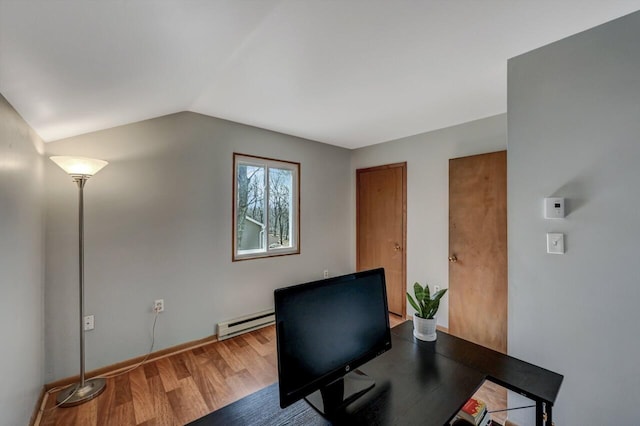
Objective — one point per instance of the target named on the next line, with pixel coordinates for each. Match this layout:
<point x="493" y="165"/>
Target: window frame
<point x="267" y="163"/>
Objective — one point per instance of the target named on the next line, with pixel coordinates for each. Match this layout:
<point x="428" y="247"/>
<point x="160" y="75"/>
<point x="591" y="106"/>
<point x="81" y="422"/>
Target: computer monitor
<point x="325" y="330"/>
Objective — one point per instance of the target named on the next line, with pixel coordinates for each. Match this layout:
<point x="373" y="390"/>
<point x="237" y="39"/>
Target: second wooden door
<point x="478" y="249"/>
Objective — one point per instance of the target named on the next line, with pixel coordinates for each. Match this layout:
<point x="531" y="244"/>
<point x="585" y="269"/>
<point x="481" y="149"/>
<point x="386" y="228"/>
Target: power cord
<point x="153" y="339"/>
<point x="511" y="409"/>
<point x="106" y="376"/>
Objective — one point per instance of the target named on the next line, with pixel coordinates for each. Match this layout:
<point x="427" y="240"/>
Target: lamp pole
<point x="80" y="169"/>
<point x="81" y="180"/>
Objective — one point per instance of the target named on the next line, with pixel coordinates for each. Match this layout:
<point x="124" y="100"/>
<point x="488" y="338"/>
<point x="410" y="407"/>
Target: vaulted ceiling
<point x="346" y="72"/>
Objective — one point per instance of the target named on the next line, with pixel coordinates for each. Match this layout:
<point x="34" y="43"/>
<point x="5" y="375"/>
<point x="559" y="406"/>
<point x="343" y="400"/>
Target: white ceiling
<point x="350" y="73"/>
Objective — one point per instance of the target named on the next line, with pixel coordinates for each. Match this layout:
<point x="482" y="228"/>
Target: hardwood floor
<point x="180" y="388"/>
<point x="495" y="396"/>
<point x="395" y="320"/>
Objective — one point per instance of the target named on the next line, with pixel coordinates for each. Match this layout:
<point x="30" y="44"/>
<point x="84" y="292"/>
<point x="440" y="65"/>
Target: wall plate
<point x="555" y="243"/>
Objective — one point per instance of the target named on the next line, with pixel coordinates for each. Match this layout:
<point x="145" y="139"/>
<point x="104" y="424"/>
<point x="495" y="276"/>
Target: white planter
<point x="424" y="329"/>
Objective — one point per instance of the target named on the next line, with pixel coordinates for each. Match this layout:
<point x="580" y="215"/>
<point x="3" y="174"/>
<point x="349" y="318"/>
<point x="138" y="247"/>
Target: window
<point x="265" y="207"/>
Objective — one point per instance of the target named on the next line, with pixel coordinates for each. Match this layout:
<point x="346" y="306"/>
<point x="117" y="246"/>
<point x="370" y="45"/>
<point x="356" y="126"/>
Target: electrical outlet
<point x="158" y="306"/>
<point x="325" y="273"/>
<point x="89" y="323"/>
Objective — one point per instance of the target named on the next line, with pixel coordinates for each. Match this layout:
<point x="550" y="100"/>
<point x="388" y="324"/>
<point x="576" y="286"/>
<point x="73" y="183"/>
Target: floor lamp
<point x="80" y="169"/>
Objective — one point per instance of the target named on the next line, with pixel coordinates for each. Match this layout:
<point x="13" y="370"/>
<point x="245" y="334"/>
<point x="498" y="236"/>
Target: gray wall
<point x="427" y="156"/>
<point x="158" y="225"/>
<point x="21" y="267"/>
<point x="574" y="132"/>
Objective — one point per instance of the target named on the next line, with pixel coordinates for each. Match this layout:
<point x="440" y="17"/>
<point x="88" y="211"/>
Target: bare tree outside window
<point x="266" y="194"/>
<point x="280" y="183"/>
<point x="250" y="204"/>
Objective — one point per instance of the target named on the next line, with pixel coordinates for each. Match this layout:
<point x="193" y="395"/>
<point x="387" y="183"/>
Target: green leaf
<point x="434" y="303"/>
<point x="413" y="303"/>
<point x="439" y="294"/>
<point x="433" y="309"/>
<point x="418" y="291"/>
<point x="427" y="293"/>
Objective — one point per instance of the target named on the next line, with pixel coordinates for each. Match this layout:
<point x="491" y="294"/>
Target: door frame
<point x="403" y="166"/>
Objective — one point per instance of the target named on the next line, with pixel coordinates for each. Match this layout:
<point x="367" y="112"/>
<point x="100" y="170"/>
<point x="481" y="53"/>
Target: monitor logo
<point x="347" y="368"/>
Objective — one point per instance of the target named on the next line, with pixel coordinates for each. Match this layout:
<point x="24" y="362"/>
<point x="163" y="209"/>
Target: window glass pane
<point x="250" y="211"/>
<point x="280" y="208"/>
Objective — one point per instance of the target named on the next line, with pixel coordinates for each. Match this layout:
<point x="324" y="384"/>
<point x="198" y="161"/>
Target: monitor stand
<point x="329" y="399"/>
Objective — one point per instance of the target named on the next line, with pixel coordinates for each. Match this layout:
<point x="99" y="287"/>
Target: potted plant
<point x="424" y="320"/>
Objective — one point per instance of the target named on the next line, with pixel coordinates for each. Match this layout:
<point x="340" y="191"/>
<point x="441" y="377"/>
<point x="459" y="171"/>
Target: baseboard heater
<point x="245" y="324"/>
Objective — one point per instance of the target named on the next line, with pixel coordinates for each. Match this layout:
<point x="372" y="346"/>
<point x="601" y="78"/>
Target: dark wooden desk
<point x="417" y="382"/>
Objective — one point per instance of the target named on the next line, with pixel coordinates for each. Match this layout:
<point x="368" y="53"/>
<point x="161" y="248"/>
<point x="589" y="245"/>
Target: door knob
<point x="453" y="258"/>
<point x="397" y="247"/>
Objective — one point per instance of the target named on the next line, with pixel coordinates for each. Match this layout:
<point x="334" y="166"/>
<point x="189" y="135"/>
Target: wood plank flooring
<point x="183" y="387"/>
<point x="395" y="320"/>
<point x="495" y="396"/>
<point x="180" y="388"/>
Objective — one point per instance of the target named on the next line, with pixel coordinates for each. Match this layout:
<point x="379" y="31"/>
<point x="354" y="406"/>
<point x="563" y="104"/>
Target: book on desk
<point x="474" y="412"/>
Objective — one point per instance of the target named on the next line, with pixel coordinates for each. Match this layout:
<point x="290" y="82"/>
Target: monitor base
<point x="330" y="399"/>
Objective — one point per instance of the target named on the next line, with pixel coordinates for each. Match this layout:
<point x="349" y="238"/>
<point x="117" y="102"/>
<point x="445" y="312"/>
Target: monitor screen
<point x="325" y="329"/>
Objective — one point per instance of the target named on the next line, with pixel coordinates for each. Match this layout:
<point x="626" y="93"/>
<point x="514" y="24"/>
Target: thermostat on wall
<point x="553" y="208"/>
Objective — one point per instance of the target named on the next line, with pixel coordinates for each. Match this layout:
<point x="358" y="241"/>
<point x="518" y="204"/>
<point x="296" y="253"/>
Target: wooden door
<point x="381" y="206"/>
<point x="478" y="249"/>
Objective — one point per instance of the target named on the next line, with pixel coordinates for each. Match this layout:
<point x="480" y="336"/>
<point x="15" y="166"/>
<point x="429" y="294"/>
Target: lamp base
<point x="76" y="395"/>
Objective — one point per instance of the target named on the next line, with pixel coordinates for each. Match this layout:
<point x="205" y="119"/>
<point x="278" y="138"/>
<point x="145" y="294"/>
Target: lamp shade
<point x="79" y="166"/>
